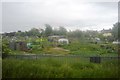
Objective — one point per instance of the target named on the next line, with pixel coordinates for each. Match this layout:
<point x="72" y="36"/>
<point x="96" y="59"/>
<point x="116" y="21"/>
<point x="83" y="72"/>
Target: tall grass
<point x="53" y="68"/>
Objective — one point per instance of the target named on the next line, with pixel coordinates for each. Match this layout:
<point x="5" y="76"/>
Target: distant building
<point x="58" y="40"/>
<point x="9" y="34"/>
<point x="106" y="33"/>
<point x="19" y="31"/>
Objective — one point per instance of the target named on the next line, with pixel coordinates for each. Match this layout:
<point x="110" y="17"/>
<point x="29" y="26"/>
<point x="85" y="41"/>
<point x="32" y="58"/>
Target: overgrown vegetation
<point x="54" y="68"/>
<point x="81" y="43"/>
<point x="88" y="49"/>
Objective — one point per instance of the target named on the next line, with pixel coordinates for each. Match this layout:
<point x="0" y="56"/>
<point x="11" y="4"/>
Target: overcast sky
<point x="72" y="14"/>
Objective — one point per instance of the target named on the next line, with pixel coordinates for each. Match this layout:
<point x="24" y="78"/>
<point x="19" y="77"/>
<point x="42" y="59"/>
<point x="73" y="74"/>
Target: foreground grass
<point x="53" y="68"/>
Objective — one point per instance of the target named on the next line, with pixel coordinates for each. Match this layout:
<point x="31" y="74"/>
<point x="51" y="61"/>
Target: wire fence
<point x="95" y="59"/>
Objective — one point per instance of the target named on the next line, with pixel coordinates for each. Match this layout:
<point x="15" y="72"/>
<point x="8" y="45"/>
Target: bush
<point x="5" y="50"/>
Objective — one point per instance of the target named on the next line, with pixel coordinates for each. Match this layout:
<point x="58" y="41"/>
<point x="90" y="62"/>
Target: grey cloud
<point x="25" y="15"/>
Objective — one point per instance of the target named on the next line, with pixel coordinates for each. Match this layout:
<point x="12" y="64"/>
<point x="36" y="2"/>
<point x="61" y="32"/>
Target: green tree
<point x="48" y="30"/>
<point x="62" y="30"/>
<point x="116" y="31"/>
<point x="5" y="49"/>
<point x="76" y="35"/>
<point x="33" y="32"/>
<point x="55" y="32"/>
<point x="20" y="33"/>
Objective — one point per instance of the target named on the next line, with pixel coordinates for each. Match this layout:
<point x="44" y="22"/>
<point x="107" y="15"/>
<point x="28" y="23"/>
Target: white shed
<point x="63" y="41"/>
<point x="116" y="42"/>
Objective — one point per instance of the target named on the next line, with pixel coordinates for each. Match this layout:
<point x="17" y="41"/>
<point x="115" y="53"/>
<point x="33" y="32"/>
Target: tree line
<point x="62" y="31"/>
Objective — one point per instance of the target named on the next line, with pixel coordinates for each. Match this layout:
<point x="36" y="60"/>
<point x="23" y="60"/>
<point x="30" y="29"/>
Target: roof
<point x="63" y="39"/>
<point x="106" y="31"/>
<point x="56" y="36"/>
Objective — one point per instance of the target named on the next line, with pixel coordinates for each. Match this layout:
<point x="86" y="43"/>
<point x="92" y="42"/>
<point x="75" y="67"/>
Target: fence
<point x="93" y="59"/>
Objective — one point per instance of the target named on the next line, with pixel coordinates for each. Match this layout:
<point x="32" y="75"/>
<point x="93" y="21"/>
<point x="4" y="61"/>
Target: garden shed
<point x="22" y="46"/>
<point x="116" y="42"/>
<point x="63" y="41"/>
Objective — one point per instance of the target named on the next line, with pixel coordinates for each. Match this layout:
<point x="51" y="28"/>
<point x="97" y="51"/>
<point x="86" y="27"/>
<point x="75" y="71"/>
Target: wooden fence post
<point x="36" y="56"/>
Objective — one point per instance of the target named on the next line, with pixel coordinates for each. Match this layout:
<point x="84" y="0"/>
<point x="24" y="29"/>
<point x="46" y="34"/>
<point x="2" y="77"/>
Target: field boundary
<point x="95" y="59"/>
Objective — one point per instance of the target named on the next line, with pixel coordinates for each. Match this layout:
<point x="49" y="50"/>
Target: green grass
<point x="74" y="48"/>
<point x="88" y="49"/>
<point x="56" y="68"/>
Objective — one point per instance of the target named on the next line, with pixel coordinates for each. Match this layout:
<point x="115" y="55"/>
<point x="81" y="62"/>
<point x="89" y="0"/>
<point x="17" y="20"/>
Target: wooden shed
<point x="22" y="46"/>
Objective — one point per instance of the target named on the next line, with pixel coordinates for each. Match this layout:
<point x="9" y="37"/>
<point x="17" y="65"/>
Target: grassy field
<point x="56" y="68"/>
<point x="74" y="48"/>
<point x="88" y="49"/>
<point x="65" y="67"/>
